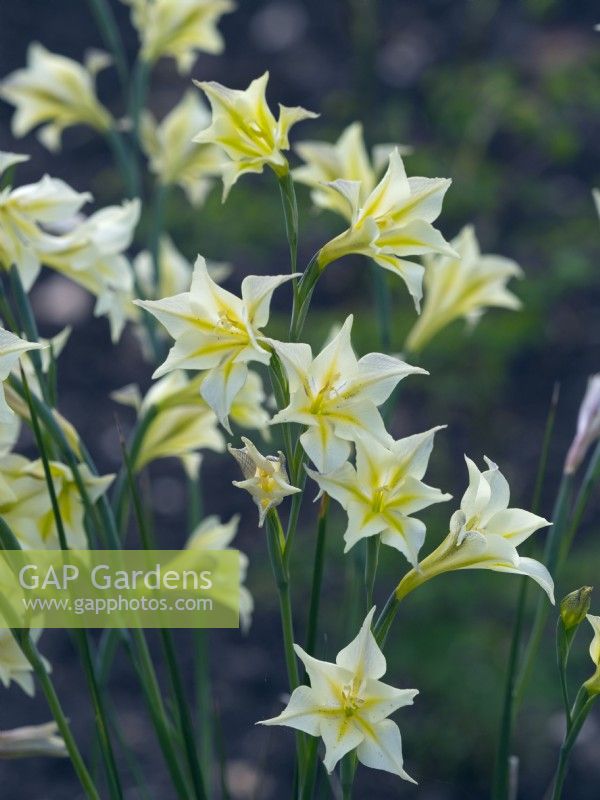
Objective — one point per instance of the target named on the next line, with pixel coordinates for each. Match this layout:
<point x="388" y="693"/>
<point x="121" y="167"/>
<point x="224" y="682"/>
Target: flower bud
<point x="32" y="741"/>
<point x="588" y="426"/>
<point x="574" y="607"/>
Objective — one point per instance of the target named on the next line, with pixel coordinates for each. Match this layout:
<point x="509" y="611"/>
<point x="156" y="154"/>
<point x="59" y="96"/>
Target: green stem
<point x="563" y="648"/>
<point x="371" y="562"/>
<point x="382" y="307"/>
<point x="109" y="31"/>
<point x="290" y="212"/>
<point x="590" y="480"/>
<point x="203" y="702"/>
<point x="161" y="195"/>
<point x="125" y="160"/>
<point x="387" y="616"/>
<point x="347" y="769"/>
<point x="32" y="655"/>
<point x="302" y="297"/>
<point x="567" y="747"/>
<point x="317" y="577"/>
<point x="28" y="325"/>
<point x="501" y="779"/>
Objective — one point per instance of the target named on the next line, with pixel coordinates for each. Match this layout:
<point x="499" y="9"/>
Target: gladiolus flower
<point x="336" y="395"/>
<point x="11" y="350"/>
<point x="484" y="534"/>
<point x="462" y="286"/>
<point x="13" y="664"/>
<point x="384" y="490"/>
<point x="174" y="158"/>
<point x="346" y="160"/>
<point x="588" y="426"/>
<point x="23" y="213"/>
<point x="57" y="92"/>
<point x="348" y="706"/>
<point x="217" y="332"/>
<point x="593" y="684"/>
<point x="392" y="223"/>
<point x="212" y="534"/>
<point x="265" y="477"/>
<point x="178" y="28"/>
<point x="246" y="130"/>
<point x="33" y="741"/>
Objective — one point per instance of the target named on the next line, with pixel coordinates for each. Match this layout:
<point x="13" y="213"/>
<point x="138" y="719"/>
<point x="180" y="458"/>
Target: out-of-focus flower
<point x="265" y="477"/>
<point x="384" y="489"/>
<point x="33" y="741"/>
<point x="593" y="684"/>
<point x="574" y="607"/>
<point x="484" y="534"/>
<point x="174" y="158"/>
<point x="92" y="256"/>
<point x="336" y="395"/>
<point x="212" y="534"/>
<point x="27" y="508"/>
<point x="348" y="706"/>
<point x="175" y="271"/>
<point x="216" y="331"/>
<point x="246" y="130"/>
<point x="346" y="160"/>
<point x="178" y="28"/>
<point x="56" y="92"/>
<point x="588" y="426"/>
<point x="23" y="213"/>
<point x="392" y="223"/>
<point x="13" y="664"/>
<point x="462" y="286"/>
<point x="596" y="196"/>
<point x="11" y="349"/>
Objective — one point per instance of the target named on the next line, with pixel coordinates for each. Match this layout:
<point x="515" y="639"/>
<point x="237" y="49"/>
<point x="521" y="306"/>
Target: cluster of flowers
<point x="334" y="396"/>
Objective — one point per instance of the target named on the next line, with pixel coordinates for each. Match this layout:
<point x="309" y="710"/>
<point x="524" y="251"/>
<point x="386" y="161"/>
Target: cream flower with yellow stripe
<point x="462" y="286"/>
<point x="56" y="92"/>
<point x="244" y="127"/>
<point x="217" y="332"/>
<point x="336" y="395"/>
<point x="347" y="705"/>
<point x="11" y="349"/>
<point x="593" y="684"/>
<point x="393" y="223"/>
<point x="382" y="492"/>
<point x="178" y="28"/>
<point x="348" y="160"/>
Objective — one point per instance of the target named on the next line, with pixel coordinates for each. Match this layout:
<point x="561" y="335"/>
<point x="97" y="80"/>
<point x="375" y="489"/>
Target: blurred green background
<point x="504" y="98"/>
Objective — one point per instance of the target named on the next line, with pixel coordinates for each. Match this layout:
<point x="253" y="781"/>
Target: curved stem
<point x="567" y="747"/>
<point x="317" y="577"/>
<point x="111" y="34"/>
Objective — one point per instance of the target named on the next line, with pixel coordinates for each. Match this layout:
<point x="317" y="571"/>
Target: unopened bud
<point x="588" y="426"/>
<point x="574" y="607"/>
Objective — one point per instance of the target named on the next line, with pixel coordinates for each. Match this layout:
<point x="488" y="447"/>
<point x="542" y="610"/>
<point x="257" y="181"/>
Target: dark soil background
<point x="502" y="96"/>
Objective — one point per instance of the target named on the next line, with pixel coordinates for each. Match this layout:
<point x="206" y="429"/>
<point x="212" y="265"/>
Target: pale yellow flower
<point x="56" y="92"/>
<point x="593" y="684"/>
<point x="174" y="158"/>
<point x="33" y="741"/>
<point x="27" y="508"/>
<point x="588" y="425"/>
<point x="484" y="534"/>
<point x="348" y="160"/>
<point x="265" y="477"/>
<point x="336" y="395"/>
<point x="212" y="534"/>
<point x="462" y="286"/>
<point x="382" y="492"/>
<point x="244" y="127"/>
<point x="178" y="28"/>
<point x="348" y="706"/>
<point x="14" y="667"/>
<point x="24" y="211"/>
<point x="394" y="222"/>
<point x="217" y="332"/>
<point x="11" y="350"/>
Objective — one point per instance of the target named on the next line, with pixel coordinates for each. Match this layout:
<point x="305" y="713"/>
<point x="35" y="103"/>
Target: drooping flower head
<point x="56" y="92"/>
<point x="13" y="664"/>
<point x="462" y="286"/>
<point x="178" y="28"/>
<point x="33" y="741"/>
<point x="348" y="706"/>
<point x="244" y="127"/>
<point x="346" y="160"/>
<point x="382" y="492"/>
<point x="336" y="395"/>
<point x="11" y="349"/>
<point x="174" y="158"/>
<point x="393" y="223"/>
<point x="484" y="534"/>
<point x="217" y="332"/>
<point x="265" y="477"/>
